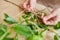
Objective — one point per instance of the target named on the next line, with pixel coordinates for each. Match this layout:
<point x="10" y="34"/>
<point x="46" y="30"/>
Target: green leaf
<point x="3" y="29"/>
<point x="56" y="37"/>
<point x="38" y="37"/>
<point x="57" y="26"/>
<point x="16" y="37"/>
<point x="8" y="39"/>
<point x="42" y="33"/>
<point x="9" y="19"/>
<point x="35" y="37"/>
<point x="6" y="16"/>
<point x="24" y="30"/>
<point x="27" y="14"/>
<point x="33" y="19"/>
<point x="41" y="25"/>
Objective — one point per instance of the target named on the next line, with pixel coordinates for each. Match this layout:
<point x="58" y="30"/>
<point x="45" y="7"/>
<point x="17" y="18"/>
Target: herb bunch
<point x="29" y="25"/>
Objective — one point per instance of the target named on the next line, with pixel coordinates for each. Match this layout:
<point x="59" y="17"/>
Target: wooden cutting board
<point x="13" y="11"/>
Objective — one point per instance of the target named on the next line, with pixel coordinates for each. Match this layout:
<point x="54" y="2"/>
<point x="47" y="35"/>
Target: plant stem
<point x="16" y="37"/>
<point x="34" y="24"/>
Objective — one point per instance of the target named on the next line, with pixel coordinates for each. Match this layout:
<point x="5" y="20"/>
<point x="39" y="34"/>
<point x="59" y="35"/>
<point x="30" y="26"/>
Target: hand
<point x="52" y="18"/>
<point x="30" y="5"/>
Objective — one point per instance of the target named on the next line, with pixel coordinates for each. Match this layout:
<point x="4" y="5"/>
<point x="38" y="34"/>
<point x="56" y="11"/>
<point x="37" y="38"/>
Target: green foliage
<point x="30" y="29"/>
<point x="56" y="37"/>
<point x="24" y="30"/>
<point x="57" y="26"/>
<point x="9" y="19"/>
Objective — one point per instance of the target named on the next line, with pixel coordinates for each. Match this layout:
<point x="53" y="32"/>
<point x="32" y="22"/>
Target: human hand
<point x="30" y="5"/>
<point x="51" y="19"/>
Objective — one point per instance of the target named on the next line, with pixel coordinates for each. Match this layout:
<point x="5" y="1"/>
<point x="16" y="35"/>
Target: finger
<point x="54" y="13"/>
<point x="24" y="5"/>
<point x="44" y="21"/>
<point x="52" y="21"/>
<point x="50" y="16"/>
<point x="32" y="9"/>
<point x="29" y="9"/>
<point x="42" y="15"/>
<point x="54" y="18"/>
